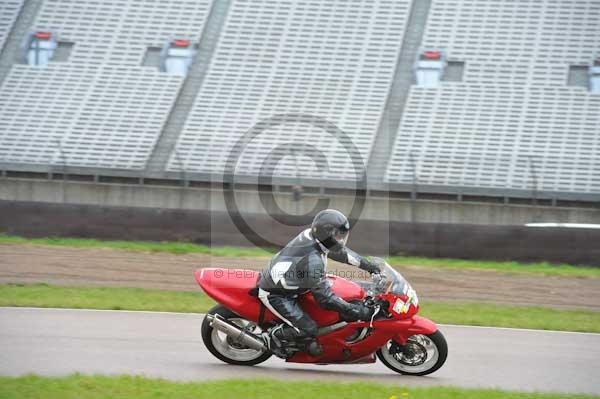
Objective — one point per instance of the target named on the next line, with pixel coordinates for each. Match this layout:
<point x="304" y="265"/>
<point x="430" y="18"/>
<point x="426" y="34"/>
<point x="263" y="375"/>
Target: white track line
<point x="103" y="310"/>
<point x="519" y="329"/>
<point x="202" y="314"/>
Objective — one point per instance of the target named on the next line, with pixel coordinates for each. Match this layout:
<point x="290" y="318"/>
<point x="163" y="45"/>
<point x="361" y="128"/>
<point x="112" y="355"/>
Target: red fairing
<point x="391" y="299"/>
<point x="231" y="288"/>
<point x="343" y="288"/>
<point x="419" y="325"/>
<point x="337" y="350"/>
<point x="346" y="289"/>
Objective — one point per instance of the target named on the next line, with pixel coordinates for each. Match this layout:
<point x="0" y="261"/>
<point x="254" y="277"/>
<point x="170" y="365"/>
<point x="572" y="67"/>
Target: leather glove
<point x="369" y="266"/>
<point x="358" y="311"/>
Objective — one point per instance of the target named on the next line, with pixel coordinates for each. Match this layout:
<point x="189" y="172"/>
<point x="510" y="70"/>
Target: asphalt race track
<point x="58" y="342"/>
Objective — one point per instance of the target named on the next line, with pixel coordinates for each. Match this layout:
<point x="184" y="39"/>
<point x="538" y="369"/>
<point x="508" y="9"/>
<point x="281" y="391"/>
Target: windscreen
<point x="392" y="282"/>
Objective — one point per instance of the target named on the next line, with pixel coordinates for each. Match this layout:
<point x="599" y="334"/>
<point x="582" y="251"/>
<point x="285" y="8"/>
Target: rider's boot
<point x="284" y="340"/>
<point x="275" y="342"/>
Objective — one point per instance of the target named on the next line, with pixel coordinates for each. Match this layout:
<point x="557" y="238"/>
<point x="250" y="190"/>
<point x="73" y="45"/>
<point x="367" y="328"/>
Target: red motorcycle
<point x="403" y="341"/>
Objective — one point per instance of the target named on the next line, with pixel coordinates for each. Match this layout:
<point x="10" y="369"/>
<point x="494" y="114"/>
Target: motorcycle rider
<point x="300" y="267"/>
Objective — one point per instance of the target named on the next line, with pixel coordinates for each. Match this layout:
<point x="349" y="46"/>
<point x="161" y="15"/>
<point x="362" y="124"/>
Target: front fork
<point x="396" y="348"/>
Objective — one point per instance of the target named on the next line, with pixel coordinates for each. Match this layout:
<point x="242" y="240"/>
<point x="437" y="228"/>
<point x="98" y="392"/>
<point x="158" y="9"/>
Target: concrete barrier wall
<point x="376" y="237"/>
<point x="376" y="208"/>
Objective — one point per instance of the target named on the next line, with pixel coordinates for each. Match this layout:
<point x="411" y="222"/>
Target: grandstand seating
<point x="512" y="123"/>
<point x="527" y="42"/>
<point x="511" y="119"/>
<point x="101" y="108"/>
<point x="117" y="32"/>
<point x="9" y="11"/>
<point x="334" y="59"/>
<point x="85" y="116"/>
<point x="498" y="136"/>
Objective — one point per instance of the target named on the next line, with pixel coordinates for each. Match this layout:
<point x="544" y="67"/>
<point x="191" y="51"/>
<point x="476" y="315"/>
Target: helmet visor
<point x="342" y="237"/>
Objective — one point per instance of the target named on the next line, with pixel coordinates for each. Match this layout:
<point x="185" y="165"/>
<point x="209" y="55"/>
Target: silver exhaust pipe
<point x="236" y="333"/>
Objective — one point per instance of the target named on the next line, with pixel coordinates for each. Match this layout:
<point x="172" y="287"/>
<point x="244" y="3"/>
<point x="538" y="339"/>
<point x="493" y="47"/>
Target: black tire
<point x="207" y="339"/>
<point x="442" y="347"/>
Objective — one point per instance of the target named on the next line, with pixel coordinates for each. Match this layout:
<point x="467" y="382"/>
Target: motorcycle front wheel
<point x="421" y="355"/>
<point x="224" y="348"/>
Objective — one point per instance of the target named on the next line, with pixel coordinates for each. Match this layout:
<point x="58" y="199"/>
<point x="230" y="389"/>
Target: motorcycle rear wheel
<point x="223" y="348"/>
<point x="422" y="355"/>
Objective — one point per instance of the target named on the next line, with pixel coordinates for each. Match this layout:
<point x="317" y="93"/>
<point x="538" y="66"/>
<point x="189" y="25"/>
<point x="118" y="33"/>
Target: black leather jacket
<point x="301" y="266"/>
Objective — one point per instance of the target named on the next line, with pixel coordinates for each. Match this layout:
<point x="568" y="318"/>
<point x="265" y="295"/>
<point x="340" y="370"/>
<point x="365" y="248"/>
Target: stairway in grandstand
<point x="16" y="19"/>
<point x="192" y="84"/>
<point x="403" y="80"/>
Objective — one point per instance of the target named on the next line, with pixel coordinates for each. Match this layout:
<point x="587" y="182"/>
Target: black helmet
<point x="331" y="228"/>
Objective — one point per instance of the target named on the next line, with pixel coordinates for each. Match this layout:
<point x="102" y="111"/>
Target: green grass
<point x="544" y="268"/>
<point x="180" y="248"/>
<point x="534" y="317"/>
<point x="96" y="387"/>
<point x="43" y="295"/>
<point x="48" y="296"/>
<point x="177" y="248"/>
